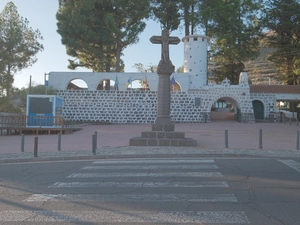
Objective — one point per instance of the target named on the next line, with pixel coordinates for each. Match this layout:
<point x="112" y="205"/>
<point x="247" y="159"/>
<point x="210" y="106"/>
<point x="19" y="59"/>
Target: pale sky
<point x="41" y="16"/>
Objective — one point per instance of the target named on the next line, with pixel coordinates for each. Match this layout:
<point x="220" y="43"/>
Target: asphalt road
<point x="152" y="191"/>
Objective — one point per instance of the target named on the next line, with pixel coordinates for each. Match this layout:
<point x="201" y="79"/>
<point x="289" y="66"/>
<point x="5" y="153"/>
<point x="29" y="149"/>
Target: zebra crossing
<point x="146" y="191"/>
<point x="291" y="163"/>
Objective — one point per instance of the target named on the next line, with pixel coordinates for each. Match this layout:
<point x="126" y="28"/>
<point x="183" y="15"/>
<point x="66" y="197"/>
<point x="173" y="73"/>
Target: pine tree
<point x="167" y="13"/>
<point x="283" y="22"/>
<point x="234" y="28"/>
<point x="95" y="32"/>
<point x="19" y="46"/>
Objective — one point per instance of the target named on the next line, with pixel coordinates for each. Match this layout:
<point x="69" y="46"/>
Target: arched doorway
<point x="138" y="85"/>
<point x="77" y="84"/>
<point x="105" y="84"/>
<point x="258" y="108"/>
<point x="175" y="86"/>
<point x="225" y="109"/>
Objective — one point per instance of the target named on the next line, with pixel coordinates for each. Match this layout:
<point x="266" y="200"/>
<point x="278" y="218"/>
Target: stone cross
<point x="165" y="64"/>
<point x="164" y="70"/>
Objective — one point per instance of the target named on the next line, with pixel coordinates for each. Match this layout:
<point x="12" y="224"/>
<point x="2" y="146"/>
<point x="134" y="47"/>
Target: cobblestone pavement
<point x="279" y="140"/>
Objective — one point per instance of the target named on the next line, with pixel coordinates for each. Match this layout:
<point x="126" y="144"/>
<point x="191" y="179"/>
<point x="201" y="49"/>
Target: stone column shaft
<point x="163" y="99"/>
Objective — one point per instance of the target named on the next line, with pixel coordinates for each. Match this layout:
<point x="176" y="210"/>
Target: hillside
<point x="262" y="71"/>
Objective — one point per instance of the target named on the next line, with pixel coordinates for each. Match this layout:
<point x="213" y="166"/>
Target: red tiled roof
<point x="288" y="89"/>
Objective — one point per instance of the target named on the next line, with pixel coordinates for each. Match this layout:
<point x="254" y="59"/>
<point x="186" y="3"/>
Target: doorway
<point x="259" y="112"/>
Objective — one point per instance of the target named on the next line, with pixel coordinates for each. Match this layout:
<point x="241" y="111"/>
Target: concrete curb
<point x="146" y="152"/>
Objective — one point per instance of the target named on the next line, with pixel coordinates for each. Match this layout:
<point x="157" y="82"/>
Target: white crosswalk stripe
<point x="291" y="163"/>
<point x="161" y="182"/>
<point x="166" y="174"/>
<point x="133" y="198"/>
<point x="142" y="167"/>
<point x="201" y="184"/>
<point x="155" y="161"/>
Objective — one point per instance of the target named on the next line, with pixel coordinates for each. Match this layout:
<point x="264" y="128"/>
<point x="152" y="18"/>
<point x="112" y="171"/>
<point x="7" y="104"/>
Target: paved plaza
<point x="278" y="140"/>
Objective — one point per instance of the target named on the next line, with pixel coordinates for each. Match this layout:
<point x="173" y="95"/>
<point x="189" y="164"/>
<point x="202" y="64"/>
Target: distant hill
<point x="262" y="71"/>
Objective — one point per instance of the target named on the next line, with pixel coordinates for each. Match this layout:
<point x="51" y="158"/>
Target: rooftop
<point x="288" y="89"/>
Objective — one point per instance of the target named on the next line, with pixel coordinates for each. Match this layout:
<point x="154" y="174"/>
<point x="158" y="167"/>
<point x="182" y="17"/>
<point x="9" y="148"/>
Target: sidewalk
<point x="279" y="140"/>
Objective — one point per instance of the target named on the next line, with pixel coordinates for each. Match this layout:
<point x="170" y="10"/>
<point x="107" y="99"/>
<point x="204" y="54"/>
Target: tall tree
<point x="96" y="32"/>
<point x="205" y="14"/>
<point x="234" y="28"/>
<point x="84" y="33"/>
<point x="194" y="15"/>
<point x="128" y="23"/>
<point x="188" y="15"/>
<point x="167" y="13"/>
<point x="172" y="12"/>
<point x="283" y="21"/>
<point x="19" y="44"/>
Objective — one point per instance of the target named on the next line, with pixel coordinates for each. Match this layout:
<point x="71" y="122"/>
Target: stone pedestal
<point x="162" y="134"/>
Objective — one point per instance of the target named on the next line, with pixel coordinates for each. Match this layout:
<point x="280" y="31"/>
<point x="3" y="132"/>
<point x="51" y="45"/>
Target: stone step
<point x="162" y="134"/>
<point x="166" y="127"/>
<point x="140" y="141"/>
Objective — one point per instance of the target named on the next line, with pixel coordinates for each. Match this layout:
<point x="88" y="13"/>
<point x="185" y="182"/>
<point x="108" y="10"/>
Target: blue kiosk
<point x="42" y="110"/>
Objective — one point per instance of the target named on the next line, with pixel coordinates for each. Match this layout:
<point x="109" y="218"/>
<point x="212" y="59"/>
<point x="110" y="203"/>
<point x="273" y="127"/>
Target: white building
<point x="193" y="103"/>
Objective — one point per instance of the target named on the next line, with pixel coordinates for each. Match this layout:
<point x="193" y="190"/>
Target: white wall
<point x="287" y="96"/>
<point x="60" y="80"/>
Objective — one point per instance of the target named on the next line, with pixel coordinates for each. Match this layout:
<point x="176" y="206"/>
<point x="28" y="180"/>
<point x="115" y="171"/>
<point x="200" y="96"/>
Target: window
<point x="197" y="101"/>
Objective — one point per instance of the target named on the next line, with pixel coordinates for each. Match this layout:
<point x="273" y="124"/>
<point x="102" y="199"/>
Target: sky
<point x="41" y="16"/>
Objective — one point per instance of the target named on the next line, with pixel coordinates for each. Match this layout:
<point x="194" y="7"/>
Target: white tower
<point x="195" y="60"/>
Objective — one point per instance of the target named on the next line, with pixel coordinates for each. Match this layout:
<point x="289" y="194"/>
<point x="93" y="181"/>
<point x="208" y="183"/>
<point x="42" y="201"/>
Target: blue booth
<point x="43" y="110"/>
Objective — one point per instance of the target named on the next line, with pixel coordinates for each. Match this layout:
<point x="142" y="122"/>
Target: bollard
<point x="93" y="144"/>
<point x="297" y="122"/>
<point x="96" y="143"/>
<point x="36" y="143"/>
<point x="260" y="138"/>
<point x="297" y="140"/>
<point x="226" y="138"/>
<point x="22" y="142"/>
<point x="59" y="142"/>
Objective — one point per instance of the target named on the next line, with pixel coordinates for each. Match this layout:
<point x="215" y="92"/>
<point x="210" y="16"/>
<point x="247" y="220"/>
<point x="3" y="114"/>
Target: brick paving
<point x="279" y="140"/>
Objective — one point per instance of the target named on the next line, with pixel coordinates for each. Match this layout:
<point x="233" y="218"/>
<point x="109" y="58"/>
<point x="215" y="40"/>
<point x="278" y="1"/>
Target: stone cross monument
<point x="164" y="70"/>
<point x="163" y="133"/>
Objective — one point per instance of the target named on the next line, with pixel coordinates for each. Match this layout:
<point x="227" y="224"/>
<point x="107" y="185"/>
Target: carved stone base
<point x="162" y="134"/>
<point x="169" y="127"/>
<point x="138" y="141"/>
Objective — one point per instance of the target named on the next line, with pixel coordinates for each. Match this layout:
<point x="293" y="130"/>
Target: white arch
<point x="228" y="98"/>
<point x="81" y="83"/>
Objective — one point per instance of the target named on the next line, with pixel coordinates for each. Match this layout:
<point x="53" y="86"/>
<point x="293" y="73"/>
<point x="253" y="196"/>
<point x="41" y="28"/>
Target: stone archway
<point x="104" y="84"/>
<point x="225" y="109"/>
<point x="138" y="85"/>
<point x="77" y="84"/>
<point x="175" y="86"/>
<point x="259" y="111"/>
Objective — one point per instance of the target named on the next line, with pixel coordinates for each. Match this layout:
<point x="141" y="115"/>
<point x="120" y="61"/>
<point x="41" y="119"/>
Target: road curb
<point x="100" y="155"/>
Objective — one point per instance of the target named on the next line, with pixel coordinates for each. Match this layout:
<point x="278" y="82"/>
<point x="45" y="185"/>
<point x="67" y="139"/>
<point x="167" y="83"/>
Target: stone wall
<point x="140" y="106"/>
<point x="126" y="107"/>
<point x="113" y="106"/>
